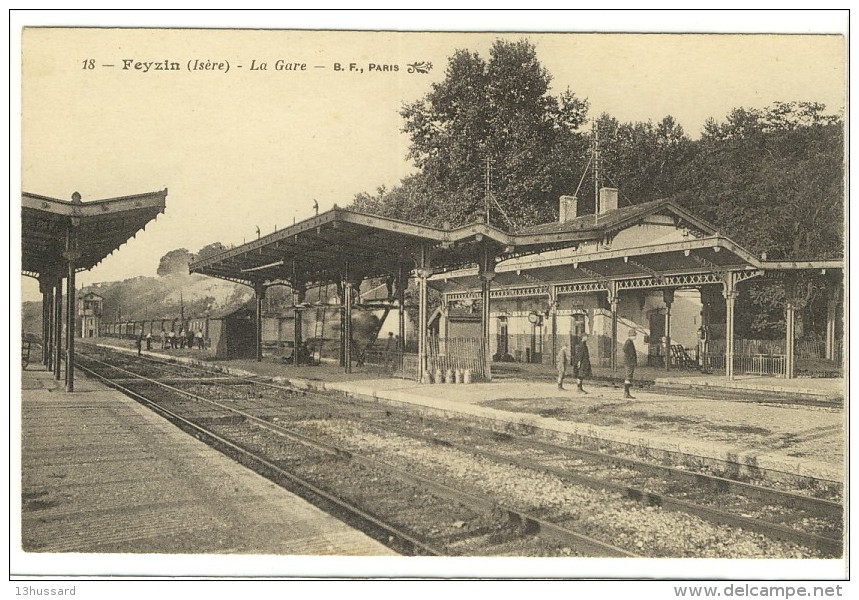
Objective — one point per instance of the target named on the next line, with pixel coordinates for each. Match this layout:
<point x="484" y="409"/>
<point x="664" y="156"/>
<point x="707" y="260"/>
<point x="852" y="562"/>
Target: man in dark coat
<point x="581" y="363"/>
<point x="630" y="361"/>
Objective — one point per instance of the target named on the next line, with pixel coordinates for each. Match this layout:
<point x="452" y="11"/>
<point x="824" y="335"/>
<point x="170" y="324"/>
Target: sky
<point x="254" y="148"/>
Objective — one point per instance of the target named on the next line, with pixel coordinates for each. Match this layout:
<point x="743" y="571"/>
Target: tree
<point x="175" y="261"/>
<point x="773" y="179"/>
<point x="419" y="199"/>
<point x="641" y="159"/>
<point x="497" y="112"/>
<point x="209" y="250"/>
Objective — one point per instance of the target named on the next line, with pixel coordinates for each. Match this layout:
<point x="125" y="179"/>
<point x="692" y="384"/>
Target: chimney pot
<point x="608" y="200"/>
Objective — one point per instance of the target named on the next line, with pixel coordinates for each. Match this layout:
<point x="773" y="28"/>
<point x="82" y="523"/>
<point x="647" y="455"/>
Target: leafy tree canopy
<point x="209" y="250"/>
<point x="175" y="261"/>
<point x="497" y="111"/>
<point x="772" y="178"/>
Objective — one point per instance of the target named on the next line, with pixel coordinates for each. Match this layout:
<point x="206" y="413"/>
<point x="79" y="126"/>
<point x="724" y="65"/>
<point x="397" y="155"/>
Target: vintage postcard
<point x="554" y="301"/>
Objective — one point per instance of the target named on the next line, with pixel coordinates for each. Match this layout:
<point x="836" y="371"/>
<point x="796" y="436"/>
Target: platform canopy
<point x="319" y="249"/>
<point x="695" y="253"/>
<point x="60" y="238"/>
<point x="100" y="226"/>
<point x="672" y="264"/>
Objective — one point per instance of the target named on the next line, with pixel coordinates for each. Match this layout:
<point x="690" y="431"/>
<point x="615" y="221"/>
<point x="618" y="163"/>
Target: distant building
<point x="90" y="308"/>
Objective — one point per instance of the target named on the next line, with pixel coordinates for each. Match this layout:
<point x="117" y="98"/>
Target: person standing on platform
<point x="390" y="349"/>
<point x="163" y="339"/>
<point x="190" y="339"/>
<point x="200" y="339"/>
<point x="581" y="363"/>
<point x="562" y="360"/>
<point x="149" y="341"/>
<point x="171" y="339"/>
<point x="139" y="343"/>
<point x="630" y="361"/>
<point x="182" y="338"/>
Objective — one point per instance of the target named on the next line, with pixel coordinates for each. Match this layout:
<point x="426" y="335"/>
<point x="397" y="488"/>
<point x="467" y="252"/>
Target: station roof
<point x="318" y="249"/>
<point x="707" y="254"/>
<point x="327" y="247"/>
<point x="102" y="226"/>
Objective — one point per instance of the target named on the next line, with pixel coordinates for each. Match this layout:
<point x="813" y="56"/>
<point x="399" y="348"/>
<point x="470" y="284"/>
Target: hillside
<point x="156" y="298"/>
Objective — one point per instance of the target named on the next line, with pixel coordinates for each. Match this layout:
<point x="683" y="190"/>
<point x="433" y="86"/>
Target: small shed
<point x="232" y="334"/>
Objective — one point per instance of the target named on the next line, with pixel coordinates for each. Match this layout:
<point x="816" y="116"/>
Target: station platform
<point x="101" y="473"/>
<point x="733" y="425"/>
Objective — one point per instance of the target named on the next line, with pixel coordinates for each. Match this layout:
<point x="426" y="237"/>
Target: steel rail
<point x="533" y="525"/>
<point x="832" y="547"/>
<point x="827" y="508"/>
<point x="817" y="506"/>
<point x="407" y="541"/>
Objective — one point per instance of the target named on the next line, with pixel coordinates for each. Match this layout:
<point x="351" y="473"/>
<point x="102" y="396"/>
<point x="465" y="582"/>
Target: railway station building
<point x="499" y="296"/>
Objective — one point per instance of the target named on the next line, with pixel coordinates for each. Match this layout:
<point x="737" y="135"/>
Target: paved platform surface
<point x="796" y="440"/>
<point x="783" y="438"/>
<point x="101" y="473"/>
<point x="824" y="388"/>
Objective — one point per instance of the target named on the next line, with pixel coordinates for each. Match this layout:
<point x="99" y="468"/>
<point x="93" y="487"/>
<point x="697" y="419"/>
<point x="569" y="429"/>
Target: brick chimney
<point x="568" y="208"/>
<point x="608" y="200"/>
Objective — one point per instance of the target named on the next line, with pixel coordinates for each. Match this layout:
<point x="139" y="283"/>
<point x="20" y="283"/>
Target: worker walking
<point x="581" y="363"/>
<point x="630" y="361"/>
<point x="562" y="360"/>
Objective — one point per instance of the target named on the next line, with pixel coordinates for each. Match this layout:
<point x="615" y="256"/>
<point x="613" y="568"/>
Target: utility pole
<point x="487" y="190"/>
<point x="596" y="168"/>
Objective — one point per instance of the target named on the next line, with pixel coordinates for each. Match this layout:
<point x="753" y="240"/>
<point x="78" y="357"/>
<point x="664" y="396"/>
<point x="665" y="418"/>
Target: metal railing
<point x="761" y="364"/>
<point x="773" y="365"/>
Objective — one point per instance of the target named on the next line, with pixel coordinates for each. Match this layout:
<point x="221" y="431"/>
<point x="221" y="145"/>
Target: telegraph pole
<point x="487" y="190"/>
<point x="596" y="169"/>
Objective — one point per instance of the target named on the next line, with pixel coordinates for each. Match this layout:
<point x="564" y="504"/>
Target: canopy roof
<point x="654" y="263"/>
<point x="342" y="244"/>
<point x="101" y="226"/>
<point x="324" y="248"/>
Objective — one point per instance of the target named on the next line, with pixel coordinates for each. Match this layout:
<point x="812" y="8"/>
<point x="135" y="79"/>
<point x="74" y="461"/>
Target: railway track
<point x="316" y="421"/>
<point x="404" y="510"/>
